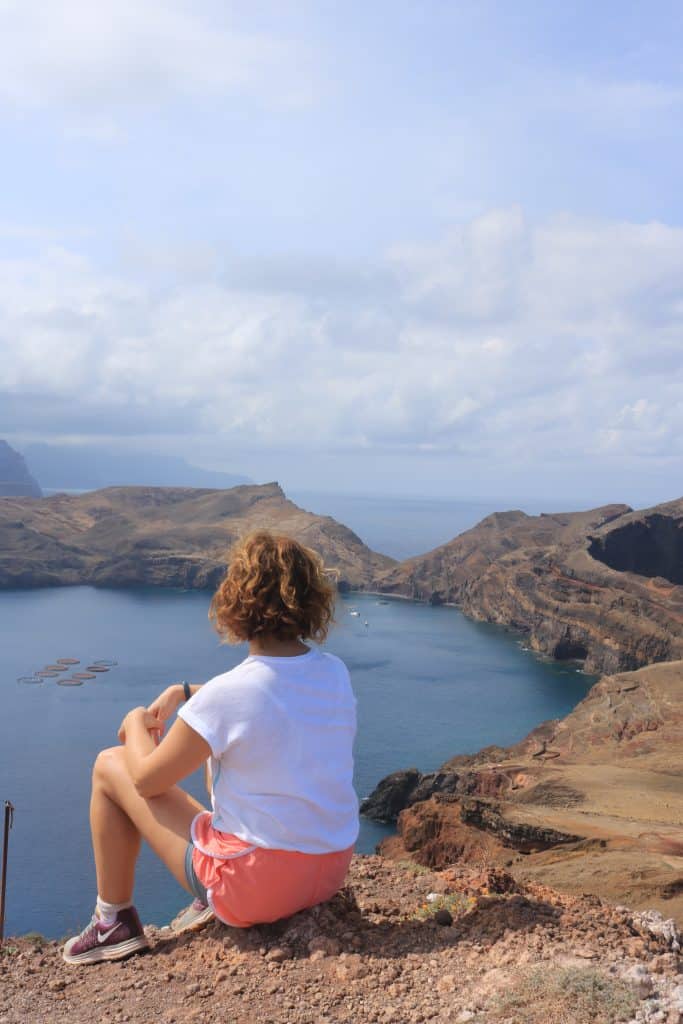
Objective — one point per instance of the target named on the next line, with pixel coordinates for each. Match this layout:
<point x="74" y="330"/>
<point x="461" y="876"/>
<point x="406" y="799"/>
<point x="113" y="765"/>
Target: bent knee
<point x="108" y="764"/>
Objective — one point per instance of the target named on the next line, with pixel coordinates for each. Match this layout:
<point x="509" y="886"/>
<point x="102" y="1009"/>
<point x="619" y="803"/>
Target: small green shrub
<point x="554" y="996"/>
<point x="455" y="903"/>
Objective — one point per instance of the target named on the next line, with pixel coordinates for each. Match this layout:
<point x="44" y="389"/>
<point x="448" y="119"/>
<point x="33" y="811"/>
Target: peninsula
<point x="604" y="586"/>
<point x="161" y="536"/>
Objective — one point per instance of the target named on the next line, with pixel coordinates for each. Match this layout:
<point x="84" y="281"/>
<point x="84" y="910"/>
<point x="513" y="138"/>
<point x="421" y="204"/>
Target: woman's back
<point x="281" y="732"/>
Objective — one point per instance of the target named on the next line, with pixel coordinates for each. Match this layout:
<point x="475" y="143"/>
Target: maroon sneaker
<point x="100" y="941"/>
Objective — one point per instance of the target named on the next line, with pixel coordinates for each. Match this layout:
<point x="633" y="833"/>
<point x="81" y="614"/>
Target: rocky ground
<point x="399" y="945"/>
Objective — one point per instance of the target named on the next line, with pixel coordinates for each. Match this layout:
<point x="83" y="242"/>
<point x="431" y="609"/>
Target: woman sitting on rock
<point x="279" y="730"/>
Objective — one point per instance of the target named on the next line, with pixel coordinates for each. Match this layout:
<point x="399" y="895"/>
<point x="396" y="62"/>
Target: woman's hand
<point x="149" y="721"/>
<point x="166" y="704"/>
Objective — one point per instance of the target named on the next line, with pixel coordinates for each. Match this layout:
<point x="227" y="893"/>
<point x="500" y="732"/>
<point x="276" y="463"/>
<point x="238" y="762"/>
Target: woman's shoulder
<point x="243" y="673"/>
<point x="338" y="673"/>
<point x="258" y="674"/>
<point x="335" y="661"/>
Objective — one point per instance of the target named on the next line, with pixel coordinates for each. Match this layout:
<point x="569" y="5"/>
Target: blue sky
<point x="427" y="248"/>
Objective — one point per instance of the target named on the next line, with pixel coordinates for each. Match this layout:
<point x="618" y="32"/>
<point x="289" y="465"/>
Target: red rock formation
<point x="591" y="803"/>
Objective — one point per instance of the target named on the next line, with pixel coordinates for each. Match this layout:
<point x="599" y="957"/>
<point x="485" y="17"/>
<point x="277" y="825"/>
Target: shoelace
<point x="91" y="926"/>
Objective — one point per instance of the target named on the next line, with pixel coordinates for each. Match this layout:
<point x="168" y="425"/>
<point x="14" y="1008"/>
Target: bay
<point x="429" y="683"/>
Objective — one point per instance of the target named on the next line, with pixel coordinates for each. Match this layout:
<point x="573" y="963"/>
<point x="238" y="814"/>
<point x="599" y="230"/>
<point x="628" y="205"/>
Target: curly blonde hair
<point x="273" y="587"/>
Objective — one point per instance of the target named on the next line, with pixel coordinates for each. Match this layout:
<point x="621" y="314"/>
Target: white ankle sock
<point x="107" y="912"/>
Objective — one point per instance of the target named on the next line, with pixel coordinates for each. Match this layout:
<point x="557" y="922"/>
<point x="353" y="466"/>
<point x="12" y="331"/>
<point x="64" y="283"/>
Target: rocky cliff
<point x="15" y="478"/>
<point x="603" y="586"/>
<point x="591" y="803"/>
<point x="398" y="945"/>
<point x="160" y="536"/>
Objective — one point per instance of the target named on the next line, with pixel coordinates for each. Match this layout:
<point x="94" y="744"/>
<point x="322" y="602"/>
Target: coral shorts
<point x="247" y="884"/>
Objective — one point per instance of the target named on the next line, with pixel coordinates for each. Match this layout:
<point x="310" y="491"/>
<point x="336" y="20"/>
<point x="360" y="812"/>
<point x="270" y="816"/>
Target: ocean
<point x="429" y="683"/>
<point x="403" y="527"/>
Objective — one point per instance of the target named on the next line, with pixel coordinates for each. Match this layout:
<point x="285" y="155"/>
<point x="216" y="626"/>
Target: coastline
<point x="591" y="802"/>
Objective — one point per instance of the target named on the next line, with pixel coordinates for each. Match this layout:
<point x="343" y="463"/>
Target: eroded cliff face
<point x="647" y="544"/>
<point x="603" y="586"/>
<point x="591" y="803"/>
<point x="160" y="536"/>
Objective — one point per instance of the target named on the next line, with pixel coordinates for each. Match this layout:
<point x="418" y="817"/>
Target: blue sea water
<point x="429" y="682"/>
<point x="402" y="527"/>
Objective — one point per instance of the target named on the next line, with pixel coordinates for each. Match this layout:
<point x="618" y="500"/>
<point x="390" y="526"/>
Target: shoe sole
<point x="100" y="954"/>
<point x="199" y="922"/>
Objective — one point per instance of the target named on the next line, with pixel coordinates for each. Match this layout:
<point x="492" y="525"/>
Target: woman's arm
<point x="156" y="769"/>
<point x="168" y="702"/>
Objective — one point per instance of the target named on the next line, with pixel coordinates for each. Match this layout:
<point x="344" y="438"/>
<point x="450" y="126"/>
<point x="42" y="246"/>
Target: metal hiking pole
<point x="9" y="819"/>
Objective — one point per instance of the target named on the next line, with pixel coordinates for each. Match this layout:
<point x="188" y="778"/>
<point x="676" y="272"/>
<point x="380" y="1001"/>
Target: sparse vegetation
<point x="582" y="995"/>
<point x="455" y="903"/>
<point x="412" y="867"/>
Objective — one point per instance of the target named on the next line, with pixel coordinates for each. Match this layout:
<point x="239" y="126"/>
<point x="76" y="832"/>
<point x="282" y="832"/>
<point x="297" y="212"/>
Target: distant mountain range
<point x="15" y="479"/>
<point x="87" y="468"/>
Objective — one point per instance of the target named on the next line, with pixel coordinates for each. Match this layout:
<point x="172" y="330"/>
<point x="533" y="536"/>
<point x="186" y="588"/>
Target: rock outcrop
<point x="160" y="536"/>
<point x="604" y="587"/>
<point x="590" y="803"/>
<point x="15" y="478"/>
<point x="397" y="945"/>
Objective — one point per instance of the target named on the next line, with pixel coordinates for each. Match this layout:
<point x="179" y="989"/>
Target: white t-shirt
<point x="281" y="733"/>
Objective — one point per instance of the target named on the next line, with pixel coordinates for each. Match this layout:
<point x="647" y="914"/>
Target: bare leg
<point x="120" y="818"/>
<point x="116" y="845"/>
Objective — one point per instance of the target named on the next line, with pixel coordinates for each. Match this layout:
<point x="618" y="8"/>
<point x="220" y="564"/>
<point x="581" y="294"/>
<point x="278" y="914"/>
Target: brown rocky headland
<point x="161" y="536"/>
<point x="604" y="586"/>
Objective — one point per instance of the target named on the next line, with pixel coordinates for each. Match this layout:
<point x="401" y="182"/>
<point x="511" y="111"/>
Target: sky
<point x="409" y="248"/>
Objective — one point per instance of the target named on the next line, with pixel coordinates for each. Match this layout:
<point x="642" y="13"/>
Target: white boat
<point x="354" y="612"/>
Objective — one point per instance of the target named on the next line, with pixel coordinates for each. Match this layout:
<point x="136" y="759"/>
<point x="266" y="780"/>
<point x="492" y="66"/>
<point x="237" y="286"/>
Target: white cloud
<point x="97" y="61"/>
<point x="506" y="340"/>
